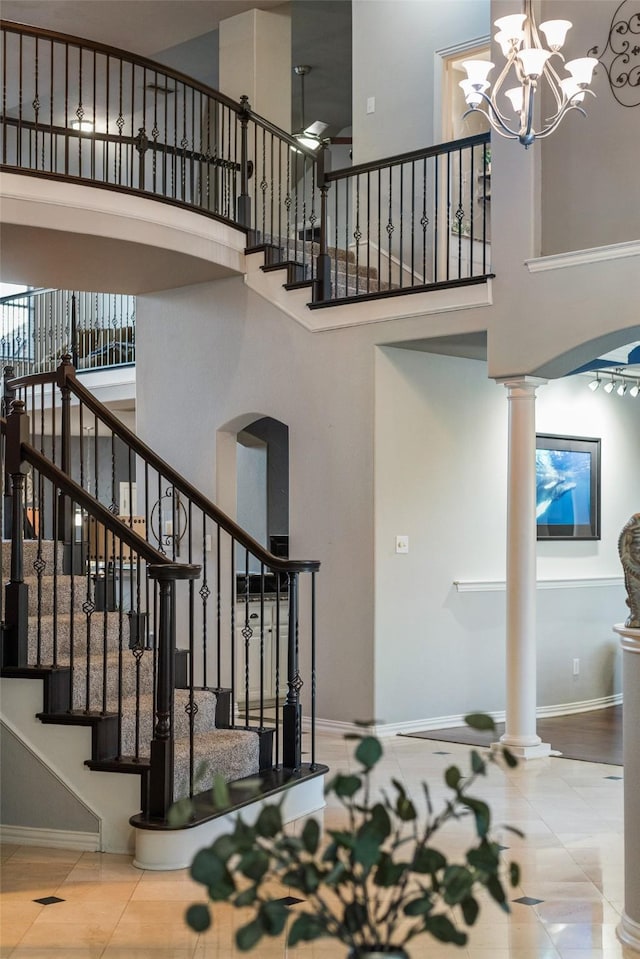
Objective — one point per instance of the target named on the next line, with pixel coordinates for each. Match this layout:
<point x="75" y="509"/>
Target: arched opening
<point x="262" y="483"/>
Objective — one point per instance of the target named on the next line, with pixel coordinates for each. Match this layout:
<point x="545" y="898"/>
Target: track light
<point x="594" y="384"/>
<point x="622" y="388"/>
<point x="635" y="389"/>
<point x="608" y="387"/>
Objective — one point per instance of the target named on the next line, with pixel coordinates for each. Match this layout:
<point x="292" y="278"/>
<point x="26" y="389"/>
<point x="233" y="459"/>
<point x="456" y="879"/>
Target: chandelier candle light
<point x="530" y="61"/>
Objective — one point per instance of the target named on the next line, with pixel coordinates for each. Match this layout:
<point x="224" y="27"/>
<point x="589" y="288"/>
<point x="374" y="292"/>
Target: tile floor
<point x="571" y="859"/>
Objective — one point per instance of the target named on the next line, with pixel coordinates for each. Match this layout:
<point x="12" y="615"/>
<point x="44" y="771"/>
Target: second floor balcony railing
<point x="81" y="111"/>
<point x="38" y="327"/>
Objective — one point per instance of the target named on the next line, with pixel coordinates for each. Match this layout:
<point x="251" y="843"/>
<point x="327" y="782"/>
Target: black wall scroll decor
<point x="621" y="54"/>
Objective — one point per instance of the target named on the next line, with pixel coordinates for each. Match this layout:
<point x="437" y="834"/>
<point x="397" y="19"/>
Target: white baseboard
<point x="384" y="730"/>
<point x="52" y="838"/>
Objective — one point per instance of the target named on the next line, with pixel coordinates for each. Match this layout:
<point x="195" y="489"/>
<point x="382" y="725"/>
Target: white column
<point x="520" y="728"/>
<point x="255" y="60"/>
<point x="629" y="927"/>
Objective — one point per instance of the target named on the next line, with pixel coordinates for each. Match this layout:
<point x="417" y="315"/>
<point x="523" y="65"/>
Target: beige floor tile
<point x="53" y="952"/>
<point x="574" y="912"/>
<point x="96" y="891"/>
<point x="142" y="912"/>
<point x="615" y="952"/>
<point x="100" y="917"/>
<point x="169" y="875"/>
<point x="67" y="934"/>
<point x="172" y="934"/>
<point x="34" y="873"/>
<point x="7" y="850"/>
<point x="45" y="854"/>
<point x="180" y="890"/>
<point x="141" y="952"/>
<point x="25" y="890"/>
<point x="104" y="873"/>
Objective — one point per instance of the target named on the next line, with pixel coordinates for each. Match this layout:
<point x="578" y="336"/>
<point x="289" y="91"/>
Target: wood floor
<point x="594" y="737"/>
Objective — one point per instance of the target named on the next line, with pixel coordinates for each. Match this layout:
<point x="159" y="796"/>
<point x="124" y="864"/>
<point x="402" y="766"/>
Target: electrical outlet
<point x="576" y="667"/>
<point x="402" y="544"/>
<point x="371" y="104"/>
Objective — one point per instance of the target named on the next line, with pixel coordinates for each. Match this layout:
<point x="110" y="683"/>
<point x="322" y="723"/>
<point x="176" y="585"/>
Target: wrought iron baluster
<point x="356" y="233"/>
<point x="20" y="89"/>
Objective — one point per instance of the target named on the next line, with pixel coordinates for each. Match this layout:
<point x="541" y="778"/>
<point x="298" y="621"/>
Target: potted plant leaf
<point x="376" y="882"/>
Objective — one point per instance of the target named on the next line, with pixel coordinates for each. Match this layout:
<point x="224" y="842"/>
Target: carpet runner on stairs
<point x="108" y="676"/>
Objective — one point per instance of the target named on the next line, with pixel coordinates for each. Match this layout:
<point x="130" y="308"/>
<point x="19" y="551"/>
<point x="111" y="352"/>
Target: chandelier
<point x="528" y="62"/>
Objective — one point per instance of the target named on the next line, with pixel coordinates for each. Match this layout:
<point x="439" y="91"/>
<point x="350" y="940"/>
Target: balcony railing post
<point x="15" y="643"/>
<point x="292" y="709"/>
<point x="243" y="210"/>
<point x="7" y="397"/>
<point x="73" y="557"/>
<point x="161" y="776"/>
<point x="322" y="285"/>
<point x="74" y="332"/>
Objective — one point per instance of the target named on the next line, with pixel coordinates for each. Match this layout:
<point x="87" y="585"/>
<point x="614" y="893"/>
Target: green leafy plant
<point x="376" y="882"/>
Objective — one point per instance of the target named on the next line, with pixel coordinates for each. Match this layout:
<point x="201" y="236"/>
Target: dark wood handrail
<point x="423" y="154"/>
<point x="285" y="137"/>
<point x="30" y="31"/>
<point x="276" y="563"/>
<point x="75" y="492"/>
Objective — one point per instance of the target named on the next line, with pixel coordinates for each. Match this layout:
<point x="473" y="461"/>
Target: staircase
<point x="113" y="688"/>
<point x="168" y="662"/>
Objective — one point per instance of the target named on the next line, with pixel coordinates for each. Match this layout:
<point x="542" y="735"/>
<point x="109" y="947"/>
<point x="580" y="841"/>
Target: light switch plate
<point x="402" y="544"/>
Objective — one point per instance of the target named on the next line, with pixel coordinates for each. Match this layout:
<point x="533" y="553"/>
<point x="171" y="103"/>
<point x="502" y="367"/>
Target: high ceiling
<point x="127" y="23"/>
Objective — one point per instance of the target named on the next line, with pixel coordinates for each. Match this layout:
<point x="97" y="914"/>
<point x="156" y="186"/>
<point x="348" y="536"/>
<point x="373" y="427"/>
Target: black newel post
<point x="161" y="774"/>
<point x="15" y="638"/>
<point x="72" y="557"/>
<point x="292" y="709"/>
<point x="322" y="285"/>
<point x="243" y="211"/>
<point x="7" y="397"/>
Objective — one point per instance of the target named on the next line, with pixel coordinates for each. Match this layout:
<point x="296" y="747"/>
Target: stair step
<point x="42" y="588"/>
<point x="46" y="550"/>
<point x="101" y="626"/>
<point x="204" y="718"/>
<point x="234" y="753"/>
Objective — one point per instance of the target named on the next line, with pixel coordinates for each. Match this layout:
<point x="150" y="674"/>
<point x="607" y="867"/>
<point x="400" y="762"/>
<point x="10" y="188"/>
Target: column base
<point x="535" y="751"/>
<point x="628" y="932"/>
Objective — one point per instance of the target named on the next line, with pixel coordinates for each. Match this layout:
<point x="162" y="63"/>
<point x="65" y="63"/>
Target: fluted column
<point x="629" y="927"/>
<point x="520" y="728"/>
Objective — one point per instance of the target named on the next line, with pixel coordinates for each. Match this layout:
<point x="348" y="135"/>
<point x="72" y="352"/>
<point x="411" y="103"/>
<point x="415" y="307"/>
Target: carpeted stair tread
<point x="62" y="622"/>
<point x="41" y="588"/>
<point x="204" y="719"/>
<point x="44" y="550"/>
<point x="234" y="753"/>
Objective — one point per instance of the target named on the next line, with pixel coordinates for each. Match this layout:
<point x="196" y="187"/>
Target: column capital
<point x="629" y="638"/>
<point x="524" y="385"/>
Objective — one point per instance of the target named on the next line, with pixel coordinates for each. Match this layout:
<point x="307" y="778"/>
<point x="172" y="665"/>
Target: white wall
<point x="243" y="356"/>
<point x="394" y="46"/>
<point x="438" y="427"/>
<point x="596" y="201"/>
<point x="440" y="477"/>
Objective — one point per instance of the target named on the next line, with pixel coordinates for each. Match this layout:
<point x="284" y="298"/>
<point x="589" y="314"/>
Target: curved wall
<point x="68" y="235"/>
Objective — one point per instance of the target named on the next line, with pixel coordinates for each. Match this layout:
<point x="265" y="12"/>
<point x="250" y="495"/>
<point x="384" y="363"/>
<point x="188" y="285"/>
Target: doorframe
<point x="440" y="92"/>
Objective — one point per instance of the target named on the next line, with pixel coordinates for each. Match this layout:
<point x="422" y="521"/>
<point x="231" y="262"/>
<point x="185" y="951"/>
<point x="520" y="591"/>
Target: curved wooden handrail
<point x="75" y="492"/>
<point x="30" y="31"/>
<point x="65" y="375"/>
